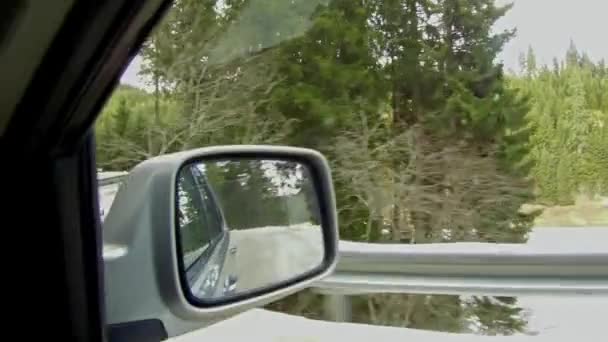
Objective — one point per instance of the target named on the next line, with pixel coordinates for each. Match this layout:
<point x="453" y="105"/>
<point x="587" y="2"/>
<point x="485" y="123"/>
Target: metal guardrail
<point x="461" y="268"/>
<point x="110" y="177"/>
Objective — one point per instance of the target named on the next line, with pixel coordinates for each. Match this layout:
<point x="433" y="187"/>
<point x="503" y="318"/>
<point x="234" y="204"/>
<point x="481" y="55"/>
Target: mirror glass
<point x="246" y="224"/>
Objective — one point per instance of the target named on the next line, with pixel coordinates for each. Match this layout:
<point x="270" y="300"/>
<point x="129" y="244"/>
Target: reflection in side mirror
<point x="245" y="226"/>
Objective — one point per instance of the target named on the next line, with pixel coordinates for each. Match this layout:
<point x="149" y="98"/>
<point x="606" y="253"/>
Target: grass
<point x="584" y="213"/>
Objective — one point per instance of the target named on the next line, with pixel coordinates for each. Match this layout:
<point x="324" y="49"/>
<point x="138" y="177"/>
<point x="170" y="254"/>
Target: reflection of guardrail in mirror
<point x="461" y="268"/>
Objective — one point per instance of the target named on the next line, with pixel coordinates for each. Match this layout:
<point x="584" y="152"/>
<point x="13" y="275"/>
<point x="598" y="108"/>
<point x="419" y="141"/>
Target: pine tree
<point x="530" y="62"/>
<point x="572" y="55"/>
<point x="121" y="117"/>
<point x="330" y="74"/>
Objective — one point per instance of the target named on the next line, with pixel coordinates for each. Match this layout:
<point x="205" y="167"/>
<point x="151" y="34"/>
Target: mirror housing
<point x="143" y="278"/>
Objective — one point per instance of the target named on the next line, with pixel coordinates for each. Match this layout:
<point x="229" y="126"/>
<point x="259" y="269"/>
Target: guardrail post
<point x="338" y="308"/>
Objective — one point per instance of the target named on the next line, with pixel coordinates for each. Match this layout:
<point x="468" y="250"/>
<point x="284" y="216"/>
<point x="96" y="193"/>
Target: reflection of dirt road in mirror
<point x="268" y="255"/>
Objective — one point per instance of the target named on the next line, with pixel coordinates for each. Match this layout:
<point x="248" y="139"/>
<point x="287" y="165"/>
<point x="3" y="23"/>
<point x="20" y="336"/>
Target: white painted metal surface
<point x="261" y="325"/>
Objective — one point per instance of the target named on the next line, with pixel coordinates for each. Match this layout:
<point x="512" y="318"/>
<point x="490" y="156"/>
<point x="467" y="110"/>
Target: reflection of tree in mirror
<point x="446" y="313"/>
<point x="495" y="315"/>
<point x="259" y="193"/>
<point x="304" y="303"/>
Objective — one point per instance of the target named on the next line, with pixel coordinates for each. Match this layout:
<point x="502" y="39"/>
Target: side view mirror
<point x="195" y="237"/>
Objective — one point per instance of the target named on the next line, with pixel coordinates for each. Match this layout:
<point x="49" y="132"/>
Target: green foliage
<point x="123" y="126"/>
<point x="329" y="73"/>
<point x="569" y="121"/>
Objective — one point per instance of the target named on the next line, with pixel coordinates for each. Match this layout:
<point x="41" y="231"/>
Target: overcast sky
<point x="546" y="25"/>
